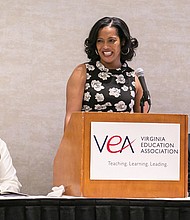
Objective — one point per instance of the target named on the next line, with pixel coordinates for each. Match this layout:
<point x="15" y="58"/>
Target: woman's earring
<point x="125" y="53"/>
<point x="96" y="52"/>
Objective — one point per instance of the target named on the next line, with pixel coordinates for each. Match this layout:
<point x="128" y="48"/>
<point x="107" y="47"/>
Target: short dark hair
<point x="128" y="43"/>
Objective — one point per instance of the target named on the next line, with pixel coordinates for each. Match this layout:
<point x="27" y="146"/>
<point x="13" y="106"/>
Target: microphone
<point x="146" y="95"/>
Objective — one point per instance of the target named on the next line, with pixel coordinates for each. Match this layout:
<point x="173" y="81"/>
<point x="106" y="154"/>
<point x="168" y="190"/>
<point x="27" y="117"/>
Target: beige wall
<point x="40" y="44"/>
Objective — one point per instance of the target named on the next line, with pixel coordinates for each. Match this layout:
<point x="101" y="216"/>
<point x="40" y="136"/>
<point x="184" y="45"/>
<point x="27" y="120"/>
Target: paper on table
<point x="57" y="191"/>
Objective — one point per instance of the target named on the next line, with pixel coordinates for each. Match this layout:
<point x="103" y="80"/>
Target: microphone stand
<point x="142" y="101"/>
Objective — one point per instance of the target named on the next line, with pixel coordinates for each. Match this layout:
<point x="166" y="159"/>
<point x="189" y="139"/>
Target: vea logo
<point x="114" y="144"/>
<point x="134" y="151"/>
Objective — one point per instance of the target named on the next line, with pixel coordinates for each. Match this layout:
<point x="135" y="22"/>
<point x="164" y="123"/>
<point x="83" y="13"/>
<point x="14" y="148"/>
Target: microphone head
<point x="139" y="72"/>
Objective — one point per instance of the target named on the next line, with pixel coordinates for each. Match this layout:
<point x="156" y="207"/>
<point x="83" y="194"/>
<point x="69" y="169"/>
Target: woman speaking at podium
<point x="106" y="83"/>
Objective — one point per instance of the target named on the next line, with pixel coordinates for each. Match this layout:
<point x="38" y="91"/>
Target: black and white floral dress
<point x="109" y="90"/>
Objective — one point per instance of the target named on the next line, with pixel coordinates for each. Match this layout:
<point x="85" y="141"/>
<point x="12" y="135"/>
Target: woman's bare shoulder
<point x="78" y="75"/>
<point x="80" y="70"/>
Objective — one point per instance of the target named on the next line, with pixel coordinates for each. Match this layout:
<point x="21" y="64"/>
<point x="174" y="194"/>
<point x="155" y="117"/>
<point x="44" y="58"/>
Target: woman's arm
<point x="8" y="179"/>
<point x="75" y="91"/>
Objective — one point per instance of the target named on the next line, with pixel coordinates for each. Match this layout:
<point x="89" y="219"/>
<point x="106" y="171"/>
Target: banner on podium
<point x="135" y="151"/>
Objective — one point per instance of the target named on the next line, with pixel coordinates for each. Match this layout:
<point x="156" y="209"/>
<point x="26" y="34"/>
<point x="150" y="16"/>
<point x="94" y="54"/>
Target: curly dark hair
<point x="128" y="43"/>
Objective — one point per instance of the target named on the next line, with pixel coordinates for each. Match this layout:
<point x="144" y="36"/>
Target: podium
<point x="72" y="161"/>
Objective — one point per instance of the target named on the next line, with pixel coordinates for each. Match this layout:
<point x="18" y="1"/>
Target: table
<point x="93" y="209"/>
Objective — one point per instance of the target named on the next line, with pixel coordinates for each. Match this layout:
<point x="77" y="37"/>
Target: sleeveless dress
<point x="109" y="90"/>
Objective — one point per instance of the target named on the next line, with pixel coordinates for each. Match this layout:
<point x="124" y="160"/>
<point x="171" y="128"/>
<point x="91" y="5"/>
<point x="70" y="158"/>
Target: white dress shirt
<point x="8" y="179"/>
